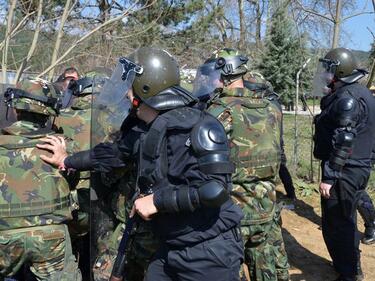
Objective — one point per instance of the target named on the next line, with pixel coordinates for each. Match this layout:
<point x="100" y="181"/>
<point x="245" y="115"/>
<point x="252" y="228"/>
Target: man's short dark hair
<point x="64" y="75"/>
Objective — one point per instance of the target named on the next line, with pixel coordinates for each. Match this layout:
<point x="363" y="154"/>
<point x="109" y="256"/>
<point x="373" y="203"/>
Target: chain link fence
<point x="298" y="138"/>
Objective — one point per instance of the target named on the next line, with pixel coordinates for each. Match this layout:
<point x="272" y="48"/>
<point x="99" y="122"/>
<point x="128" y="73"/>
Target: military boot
<point x="369" y="236"/>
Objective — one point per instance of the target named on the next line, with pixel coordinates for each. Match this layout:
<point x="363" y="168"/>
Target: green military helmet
<point x="98" y="73"/>
<point x="342" y="64"/>
<point x="36" y="96"/>
<point x="160" y="72"/>
<point x="231" y="62"/>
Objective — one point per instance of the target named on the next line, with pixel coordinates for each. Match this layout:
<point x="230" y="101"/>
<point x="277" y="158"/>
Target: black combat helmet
<point x="157" y="84"/>
<point x="343" y="65"/>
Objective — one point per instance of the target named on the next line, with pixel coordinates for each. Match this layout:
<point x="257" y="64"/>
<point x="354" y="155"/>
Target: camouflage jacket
<point x="75" y="123"/>
<point x="253" y="128"/>
<point x="32" y="192"/>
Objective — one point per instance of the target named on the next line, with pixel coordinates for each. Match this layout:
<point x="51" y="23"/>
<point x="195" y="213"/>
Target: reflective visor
<point x="329" y="65"/>
<point x="207" y="80"/>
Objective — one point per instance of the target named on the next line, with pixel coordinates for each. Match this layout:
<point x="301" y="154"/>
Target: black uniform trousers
<point x="216" y="259"/>
<point x="339" y="220"/>
<point x="366" y="210"/>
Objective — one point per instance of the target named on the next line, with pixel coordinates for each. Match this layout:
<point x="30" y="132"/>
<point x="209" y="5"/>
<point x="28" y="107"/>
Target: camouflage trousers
<point x="46" y="248"/>
<point x="265" y="260"/>
<point x="141" y="249"/>
<point x="265" y="255"/>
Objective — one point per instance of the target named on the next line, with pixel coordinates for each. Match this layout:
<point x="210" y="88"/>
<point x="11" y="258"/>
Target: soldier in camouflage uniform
<point x="75" y="123"/>
<point x="35" y="200"/>
<point x="253" y="127"/>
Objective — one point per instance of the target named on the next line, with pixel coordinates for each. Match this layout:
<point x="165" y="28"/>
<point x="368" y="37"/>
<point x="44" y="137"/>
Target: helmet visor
<point x="322" y="79"/>
<point x="207" y="80"/>
<point x="329" y="65"/>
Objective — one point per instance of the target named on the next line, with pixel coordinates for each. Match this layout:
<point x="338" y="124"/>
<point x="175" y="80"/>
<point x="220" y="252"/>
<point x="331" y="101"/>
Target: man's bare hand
<point x="57" y="146"/>
<point x="145" y="207"/>
<point x="324" y="189"/>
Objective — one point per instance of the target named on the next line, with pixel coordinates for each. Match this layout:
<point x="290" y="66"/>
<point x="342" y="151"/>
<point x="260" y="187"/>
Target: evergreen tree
<point x="283" y="56"/>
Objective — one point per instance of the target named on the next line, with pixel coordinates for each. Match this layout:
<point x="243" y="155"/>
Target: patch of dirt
<point x="308" y="256"/>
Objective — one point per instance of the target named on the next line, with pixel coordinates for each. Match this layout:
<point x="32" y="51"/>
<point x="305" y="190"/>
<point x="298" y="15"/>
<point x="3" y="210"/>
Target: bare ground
<point x="308" y="256"/>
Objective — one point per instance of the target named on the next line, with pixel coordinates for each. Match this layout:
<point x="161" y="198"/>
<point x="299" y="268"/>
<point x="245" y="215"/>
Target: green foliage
<point x="285" y="54"/>
<point x="306" y="189"/>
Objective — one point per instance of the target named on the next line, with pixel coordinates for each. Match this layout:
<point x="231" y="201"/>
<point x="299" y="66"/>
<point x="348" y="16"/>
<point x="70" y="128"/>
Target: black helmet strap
<point x="14" y="93"/>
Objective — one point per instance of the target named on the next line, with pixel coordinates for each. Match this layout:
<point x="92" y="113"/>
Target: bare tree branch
<point x="4" y="62"/>
<point x="314" y="12"/>
<point x="60" y="34"/>
<point x="33" y="44"/>
<point x="357" y="14"/>
<point x="87" y="35"/>
<point x="17" y="28"/>
<point x="372" y="33"/>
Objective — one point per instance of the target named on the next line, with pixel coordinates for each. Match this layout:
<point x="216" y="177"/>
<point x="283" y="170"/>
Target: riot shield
<point x="111" y="106"/>
<point x="207" y="81"/>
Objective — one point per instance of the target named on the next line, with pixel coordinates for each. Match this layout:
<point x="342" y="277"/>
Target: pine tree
<point x="283" y="56"/>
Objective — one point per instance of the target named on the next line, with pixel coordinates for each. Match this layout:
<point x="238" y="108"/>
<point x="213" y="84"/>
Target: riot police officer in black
<point x="182" y="154"/>
<point x="344" y="137"/>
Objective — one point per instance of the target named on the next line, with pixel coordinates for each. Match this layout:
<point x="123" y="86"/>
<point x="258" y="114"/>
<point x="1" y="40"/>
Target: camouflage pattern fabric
<point x="45" y="199"/>
<point x="38" y="88"/>
<point x="30" y="213"/>
<point x="143" y="242"/>
<point x="46" y="248"/>
<point x="253" y="128"/>
<point x="142" y="248"/>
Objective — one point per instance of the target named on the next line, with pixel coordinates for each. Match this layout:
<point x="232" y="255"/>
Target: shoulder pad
<point x="182" y="118"/>
<point x="210" y="144"/>
<point x="346" y="111"/>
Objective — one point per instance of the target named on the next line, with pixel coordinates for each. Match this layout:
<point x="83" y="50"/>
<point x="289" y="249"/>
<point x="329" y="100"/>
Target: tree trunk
<point x="258" y="26"/>
<point x="4" y="63"/>
<point x="336" y="24"/>
<point x="242" y="25"/>
<point x="59" y="37"/>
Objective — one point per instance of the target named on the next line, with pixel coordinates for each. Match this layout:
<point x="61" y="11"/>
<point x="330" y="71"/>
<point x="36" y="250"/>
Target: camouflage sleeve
<point x="226" y="120"/>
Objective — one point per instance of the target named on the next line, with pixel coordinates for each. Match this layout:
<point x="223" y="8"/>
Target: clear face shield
<point x="112" y="105"/>
<point x="324" y="77"/>
<point x="207" y="81"/>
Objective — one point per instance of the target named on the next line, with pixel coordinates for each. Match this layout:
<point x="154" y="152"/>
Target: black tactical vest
<point x="326" y="123"/>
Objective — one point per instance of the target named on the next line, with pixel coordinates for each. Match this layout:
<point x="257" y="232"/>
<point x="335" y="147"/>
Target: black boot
<point x="369" y="236"/>
<point x="367" y="211"/>
<point x="359" y="276"/>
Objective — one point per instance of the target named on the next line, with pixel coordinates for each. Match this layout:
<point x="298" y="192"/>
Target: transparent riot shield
<point x="111" y="106"/>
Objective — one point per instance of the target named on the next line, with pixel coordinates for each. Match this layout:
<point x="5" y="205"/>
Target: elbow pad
<point x="185" y="199"/>
<point x="342" y="150"/>
<point x="212" y="194"/>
